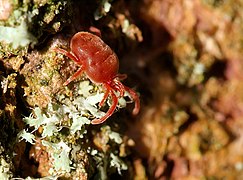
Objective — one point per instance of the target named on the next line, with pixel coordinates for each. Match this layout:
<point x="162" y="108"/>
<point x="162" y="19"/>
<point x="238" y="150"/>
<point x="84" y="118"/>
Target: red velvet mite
<point x="101" y="65"/>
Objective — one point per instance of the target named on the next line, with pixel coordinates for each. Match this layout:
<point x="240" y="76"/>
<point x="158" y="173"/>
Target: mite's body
<point x="101" y="65"/>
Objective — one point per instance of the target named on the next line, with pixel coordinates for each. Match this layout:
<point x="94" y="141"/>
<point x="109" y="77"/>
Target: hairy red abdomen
<point x="98" y="60"/>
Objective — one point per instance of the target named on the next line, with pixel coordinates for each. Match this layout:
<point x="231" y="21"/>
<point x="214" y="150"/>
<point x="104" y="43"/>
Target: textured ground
<point x="183" y="57"/>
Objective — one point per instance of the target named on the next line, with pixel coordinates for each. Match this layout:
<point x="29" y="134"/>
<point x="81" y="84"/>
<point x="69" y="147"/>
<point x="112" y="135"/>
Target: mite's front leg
<point x="74" y="76"/>
<point x="68" y="54"/>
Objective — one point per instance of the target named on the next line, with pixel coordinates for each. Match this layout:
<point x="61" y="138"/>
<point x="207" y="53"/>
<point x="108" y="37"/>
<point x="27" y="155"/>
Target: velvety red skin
<point x="99" y="62"/>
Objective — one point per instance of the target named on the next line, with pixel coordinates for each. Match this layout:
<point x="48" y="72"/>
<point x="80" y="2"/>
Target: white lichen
<point x="18" y="36"/>
<point x="49" y="130"/>
<point x="94" y="99"/>
<point x="78" y="123"/>
<point x="104" y="8"/>
<point x="28" y="137"/>
<point x="60" y="154"/>
<point x="117" y="163"/>
<point x="41" y="119"/>
<point x="115" y="137"/>
<point x="85" y="107"/>
<point x="84" y="88"/>
<point x="75" y="114"/>
<point x="106" y="160"/>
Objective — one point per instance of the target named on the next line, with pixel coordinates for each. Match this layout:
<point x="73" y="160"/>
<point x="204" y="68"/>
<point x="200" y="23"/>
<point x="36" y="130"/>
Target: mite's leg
<point x="68" y="54"/>
<point x="121" y="76"/>
<point x="75" y="59"/>
<point x="107" y="92"/>
<point x="74" y="76"/>
<point x="118" y="86"/>
<point x="135" y="99"/>
<point x="110" y="111"/>
<point x="95" y="31"/>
